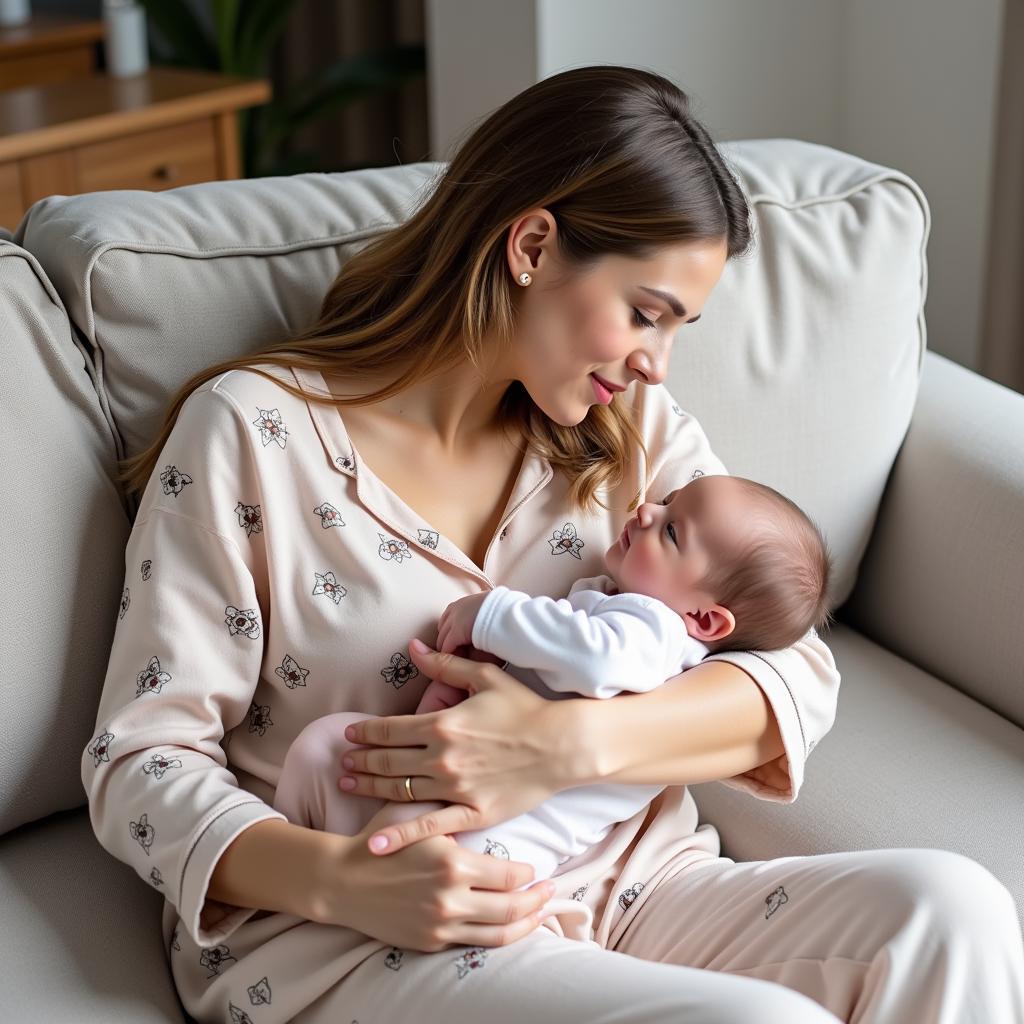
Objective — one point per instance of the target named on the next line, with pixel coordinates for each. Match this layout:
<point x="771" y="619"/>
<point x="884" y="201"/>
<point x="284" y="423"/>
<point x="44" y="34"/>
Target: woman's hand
<point x="455" y="627"/>
<point x="496" y="755"/>
<point x="430" y="897"/>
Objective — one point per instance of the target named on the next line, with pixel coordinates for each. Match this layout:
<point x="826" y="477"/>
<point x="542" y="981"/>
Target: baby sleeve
<point x="590" y="643"/>
<point x="800" y="682"/>
<point x="185" y="660"/>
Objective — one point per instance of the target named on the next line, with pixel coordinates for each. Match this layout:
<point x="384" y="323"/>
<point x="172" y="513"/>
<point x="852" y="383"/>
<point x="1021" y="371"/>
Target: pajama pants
<point x="900" y="936"/>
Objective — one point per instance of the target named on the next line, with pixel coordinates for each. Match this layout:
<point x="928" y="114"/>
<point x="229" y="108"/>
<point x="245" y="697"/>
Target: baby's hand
<point x="455" y="627"/>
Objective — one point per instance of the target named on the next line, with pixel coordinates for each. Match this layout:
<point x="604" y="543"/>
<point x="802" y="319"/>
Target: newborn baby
<point x="723" y="563"/>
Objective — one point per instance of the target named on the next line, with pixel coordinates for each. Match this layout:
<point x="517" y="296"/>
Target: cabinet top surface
<point x="45" y="117"/>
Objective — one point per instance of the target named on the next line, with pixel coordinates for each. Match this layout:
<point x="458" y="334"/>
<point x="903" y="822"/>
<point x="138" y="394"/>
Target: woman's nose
<point x="651" y="365"/>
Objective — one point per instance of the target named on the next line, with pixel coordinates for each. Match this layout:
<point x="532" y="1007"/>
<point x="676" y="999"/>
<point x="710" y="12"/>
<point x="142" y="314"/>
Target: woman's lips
<point x="604" y="396"/>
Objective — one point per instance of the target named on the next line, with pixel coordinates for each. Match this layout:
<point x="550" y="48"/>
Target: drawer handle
<point x="167" y="172"/>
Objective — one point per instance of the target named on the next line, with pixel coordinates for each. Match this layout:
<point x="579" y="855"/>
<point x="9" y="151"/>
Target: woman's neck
<point x="453" y="411"/>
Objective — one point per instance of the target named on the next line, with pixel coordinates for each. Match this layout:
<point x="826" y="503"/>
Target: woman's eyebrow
<point x="677" y="307"/>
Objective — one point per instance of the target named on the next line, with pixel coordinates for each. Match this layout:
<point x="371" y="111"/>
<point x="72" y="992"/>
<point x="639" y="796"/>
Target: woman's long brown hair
<point x="614" y="155"/>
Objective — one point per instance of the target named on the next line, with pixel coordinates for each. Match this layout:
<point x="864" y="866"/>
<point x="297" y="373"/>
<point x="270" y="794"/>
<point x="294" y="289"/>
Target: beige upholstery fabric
<point x="803" y="368"/>
<point x="62" y="555"/>
<point x="943" y="584"/>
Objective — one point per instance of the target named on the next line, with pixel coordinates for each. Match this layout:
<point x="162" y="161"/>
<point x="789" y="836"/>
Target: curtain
<point x="371" y="131"/>
<point x="1002" y="339"/>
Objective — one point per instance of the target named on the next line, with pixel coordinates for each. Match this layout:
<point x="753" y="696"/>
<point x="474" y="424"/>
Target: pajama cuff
<point x="779" y="780"/>
<point x="208" y="921"/>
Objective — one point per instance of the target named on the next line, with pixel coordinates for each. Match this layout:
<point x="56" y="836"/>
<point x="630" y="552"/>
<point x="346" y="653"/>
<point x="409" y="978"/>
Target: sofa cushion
<point x="80" y="936"/>
<point x="803" y="368"/>
<point x="910" y="762"/>
<point x="942" y="583"/>
<point x="62" y="557"/>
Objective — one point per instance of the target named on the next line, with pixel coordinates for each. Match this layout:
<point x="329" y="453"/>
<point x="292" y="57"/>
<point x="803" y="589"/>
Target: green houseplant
<point x="238" y="39"/>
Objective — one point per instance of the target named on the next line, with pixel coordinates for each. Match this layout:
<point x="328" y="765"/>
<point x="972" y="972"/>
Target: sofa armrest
<point x="942" y="580"/>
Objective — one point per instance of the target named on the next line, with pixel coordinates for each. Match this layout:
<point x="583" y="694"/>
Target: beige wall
<point x="905" y="83"/>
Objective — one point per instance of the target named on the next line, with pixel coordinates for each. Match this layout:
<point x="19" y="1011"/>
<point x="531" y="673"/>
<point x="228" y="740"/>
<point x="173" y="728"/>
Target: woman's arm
<point x="710" y="722"/>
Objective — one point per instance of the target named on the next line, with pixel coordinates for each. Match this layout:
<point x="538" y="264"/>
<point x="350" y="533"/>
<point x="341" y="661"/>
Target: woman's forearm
<point x="249" y="872"/>
<point x="708" y="723"/>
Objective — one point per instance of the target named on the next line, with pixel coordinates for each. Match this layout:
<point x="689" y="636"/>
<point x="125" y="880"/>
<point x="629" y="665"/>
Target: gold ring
<point x="408" y="787"/>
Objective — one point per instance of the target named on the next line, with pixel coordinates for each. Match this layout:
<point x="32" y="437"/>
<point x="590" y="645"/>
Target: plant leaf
<point x="225" y="18"/>
<point x="261" y="22"/>
<point x="175" y="21"/>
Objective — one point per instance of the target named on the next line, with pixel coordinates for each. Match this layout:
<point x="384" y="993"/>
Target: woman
<point x="445" y="426"/>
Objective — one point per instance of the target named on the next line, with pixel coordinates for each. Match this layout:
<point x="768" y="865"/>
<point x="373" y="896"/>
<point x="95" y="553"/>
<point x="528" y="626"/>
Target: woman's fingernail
<point x="348" y="763"/>
<point x="378" y="843"/>
<point x="418" y="645"/>
<point x="350" y="732"/>
<point x="347" y="783"/>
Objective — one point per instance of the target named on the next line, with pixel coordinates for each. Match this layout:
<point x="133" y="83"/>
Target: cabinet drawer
<point x="182" y="154"/>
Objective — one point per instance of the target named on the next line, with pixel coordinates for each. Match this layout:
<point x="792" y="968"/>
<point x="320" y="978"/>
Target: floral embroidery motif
<point x="152" y="679"/>
<point x="471" y="960"/>
<point x="214" y="957"/>
<point x="250" y="517"/>
<point x="142" y="832"/>
<point x="429" y="538"/>
<point x="259" y="994"/>
<point x="291" y="672"/>
<point x="99" y="747"/>
<point x="174" y="481"/>
<point x="346" y="462"/>
<point x="259" y="718"/>
<point x="158" y="764"/>
<point x="156" y="878"/>
<point x="393" y="961"/>
<point x="494" y="849"/>
<point x="627" y="897"/>
<point x="174" y="939"/>
<point x="327" y="584"/>
<point x="676" y="409"/>
<point x="329" y="515"/>
<point x="146" y="566"/>
<point x="271" y="426"/>
<point x="774" y="900"/>
<point x="393" y="549"/>
<point x="400" y="672"/>
<point x="565" y="541"/>
<point x="126" y="599"/>
<point x="579" y="893"/>
<point x="697" y="473"/>
<point x="242" y="621"/>
<point x="238" y="1015"/>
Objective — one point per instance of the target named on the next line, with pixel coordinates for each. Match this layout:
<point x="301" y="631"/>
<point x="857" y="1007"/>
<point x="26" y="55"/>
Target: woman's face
<point x="571" y="330"/>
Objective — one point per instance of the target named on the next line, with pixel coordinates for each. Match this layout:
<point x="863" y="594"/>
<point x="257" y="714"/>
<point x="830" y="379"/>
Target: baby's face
<point x="665" y="550"/>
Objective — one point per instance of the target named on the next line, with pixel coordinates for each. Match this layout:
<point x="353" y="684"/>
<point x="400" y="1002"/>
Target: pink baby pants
<point x="903" y="936"/>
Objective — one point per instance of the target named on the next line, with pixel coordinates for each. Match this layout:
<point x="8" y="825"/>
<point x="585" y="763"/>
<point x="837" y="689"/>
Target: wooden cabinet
<point x="48" y="48"/>
<point x="166" y="128"/>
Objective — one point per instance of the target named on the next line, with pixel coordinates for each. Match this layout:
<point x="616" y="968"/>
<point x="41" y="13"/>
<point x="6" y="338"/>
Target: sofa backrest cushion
<point x="803" y="369"/>
<point x="62" y="556"/>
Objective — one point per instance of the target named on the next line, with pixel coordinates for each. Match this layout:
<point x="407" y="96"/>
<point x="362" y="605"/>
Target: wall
<point x="906" y="83"/>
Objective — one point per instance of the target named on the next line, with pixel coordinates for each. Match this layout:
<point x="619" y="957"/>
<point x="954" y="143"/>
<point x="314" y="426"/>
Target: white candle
<point x="13" y="12"/>
<point x="126" y="47"/>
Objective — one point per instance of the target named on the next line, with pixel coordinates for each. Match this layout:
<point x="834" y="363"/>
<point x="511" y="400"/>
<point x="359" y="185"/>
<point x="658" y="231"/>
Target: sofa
<point x="809" y="371"/>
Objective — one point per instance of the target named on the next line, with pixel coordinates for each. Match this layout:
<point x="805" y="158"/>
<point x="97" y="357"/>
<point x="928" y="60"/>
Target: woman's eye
<point x="672" y="532"/>
<point x="640" y="320"/>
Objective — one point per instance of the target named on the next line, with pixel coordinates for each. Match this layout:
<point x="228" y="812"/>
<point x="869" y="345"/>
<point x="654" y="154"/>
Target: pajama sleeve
<point x="185" y="660"/>
<point x="800" y="682"/>
<point x="590" y="643"/>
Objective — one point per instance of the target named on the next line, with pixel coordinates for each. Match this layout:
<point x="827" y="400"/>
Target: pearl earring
<point x="524" y="278"/>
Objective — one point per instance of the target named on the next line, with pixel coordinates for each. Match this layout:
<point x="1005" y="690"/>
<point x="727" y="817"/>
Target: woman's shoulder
<point x="249" y="385"/>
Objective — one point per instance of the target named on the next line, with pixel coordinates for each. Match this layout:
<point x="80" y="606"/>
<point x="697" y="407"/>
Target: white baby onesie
<point x="591" y="644"/>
